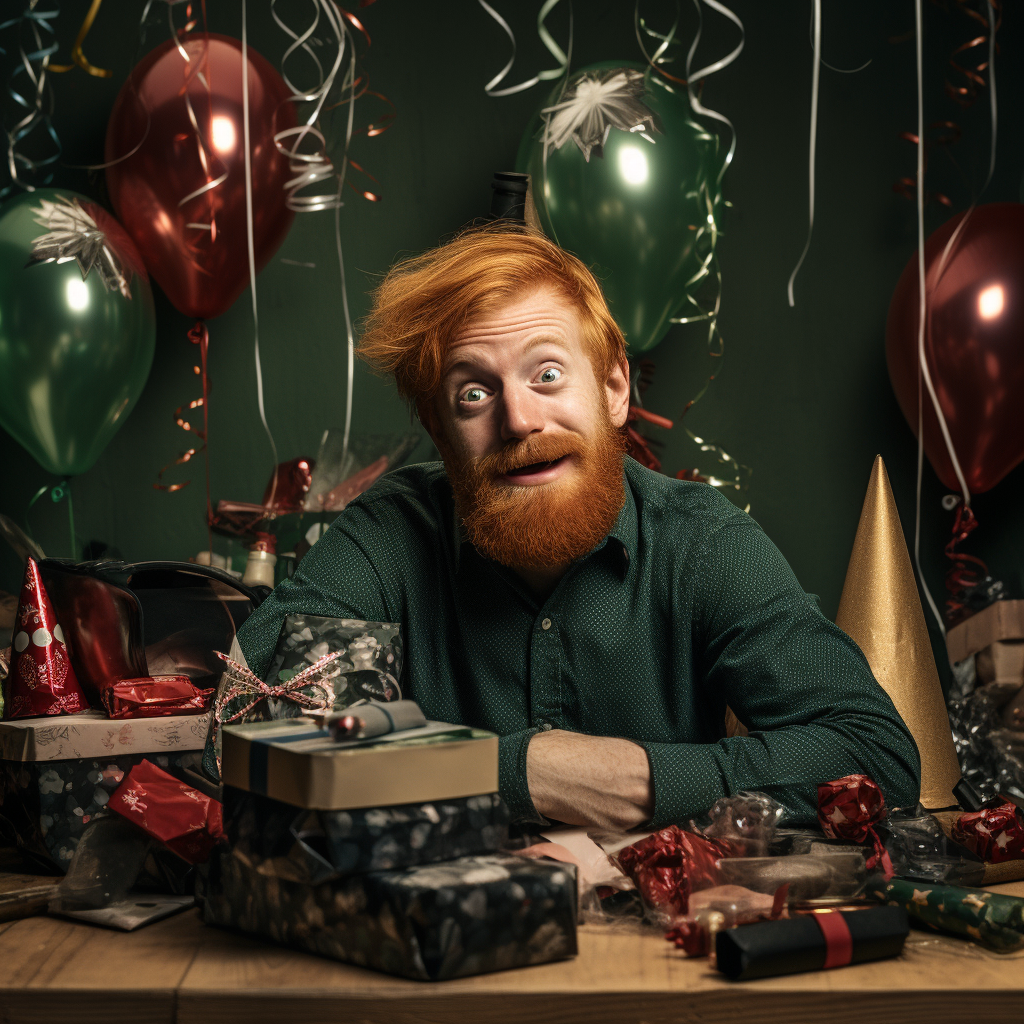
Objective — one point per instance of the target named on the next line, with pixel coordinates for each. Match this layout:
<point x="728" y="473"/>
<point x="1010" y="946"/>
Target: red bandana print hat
<point x="41" y="680"/>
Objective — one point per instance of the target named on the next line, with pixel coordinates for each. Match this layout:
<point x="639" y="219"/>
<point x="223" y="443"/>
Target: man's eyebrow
<point x="469" y="364"/>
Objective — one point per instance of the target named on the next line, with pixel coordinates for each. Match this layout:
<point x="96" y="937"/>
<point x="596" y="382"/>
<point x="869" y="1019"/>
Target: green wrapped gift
<point x="989" y="918"/>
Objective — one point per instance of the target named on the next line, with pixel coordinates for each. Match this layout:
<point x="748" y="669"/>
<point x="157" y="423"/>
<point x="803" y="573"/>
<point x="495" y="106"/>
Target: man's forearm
<point x="589" y="780"/>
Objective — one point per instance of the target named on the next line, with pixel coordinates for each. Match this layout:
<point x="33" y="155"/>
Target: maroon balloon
<point x="974" y="344"/>
<point x="202" y="269"/>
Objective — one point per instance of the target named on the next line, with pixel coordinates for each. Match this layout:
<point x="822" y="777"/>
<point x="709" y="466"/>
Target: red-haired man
<point x="597" y="615"/>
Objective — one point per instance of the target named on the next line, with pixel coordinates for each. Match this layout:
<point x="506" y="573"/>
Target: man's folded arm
<point x="801" y="686"/>
<point x="336" y="579"/>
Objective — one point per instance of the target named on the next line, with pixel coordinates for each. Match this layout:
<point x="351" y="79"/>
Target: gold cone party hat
<point x="880" y="608"/>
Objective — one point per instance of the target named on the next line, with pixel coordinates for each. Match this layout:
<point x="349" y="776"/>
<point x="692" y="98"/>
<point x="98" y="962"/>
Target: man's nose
<point x="522" y="412"/>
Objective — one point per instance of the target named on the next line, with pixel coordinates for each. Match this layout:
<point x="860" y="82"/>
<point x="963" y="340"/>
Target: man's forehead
<point x="542" y="310"/>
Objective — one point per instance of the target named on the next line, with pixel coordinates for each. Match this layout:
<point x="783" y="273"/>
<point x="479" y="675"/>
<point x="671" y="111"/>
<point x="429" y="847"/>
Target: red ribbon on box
<point x="995" y="834"/>
<point x="668" y="865"/>
<point x="183" y="819"/>
<point x="155" y="697"/>
<point x="849" y="808"/>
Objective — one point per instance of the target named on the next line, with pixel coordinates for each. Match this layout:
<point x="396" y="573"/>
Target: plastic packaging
<point x="746" y="821"/>
<point x="836" y="876"/>
<point x="106" y="863"/>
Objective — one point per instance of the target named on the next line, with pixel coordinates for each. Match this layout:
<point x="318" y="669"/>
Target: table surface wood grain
<point x="177" y="970"/>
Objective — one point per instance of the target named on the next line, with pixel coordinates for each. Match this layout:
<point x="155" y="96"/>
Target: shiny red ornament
<point x="670" y="864"/>
<point x="42" y="680"/>
<point x="849" y="809"/>
<point x="994" y="834"/>
<point x="181" y="193"/>
<point x="188" y="822"/>
<point x="974" y="344"/>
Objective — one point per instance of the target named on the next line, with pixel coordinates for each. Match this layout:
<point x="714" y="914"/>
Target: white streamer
<point x="252" y="248"/>
<point x="813" y="148"/>
<point x="546" y="38"/>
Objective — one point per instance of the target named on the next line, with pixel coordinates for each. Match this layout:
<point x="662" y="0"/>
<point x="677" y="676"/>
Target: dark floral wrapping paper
<point x="370" y="669"/>
<point x="47" y="805"/>
<point x="449" y="920"/>
<point x="336" y="843"/>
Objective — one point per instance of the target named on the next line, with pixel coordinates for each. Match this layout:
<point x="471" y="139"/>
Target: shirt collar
<point x="623" y="535"/>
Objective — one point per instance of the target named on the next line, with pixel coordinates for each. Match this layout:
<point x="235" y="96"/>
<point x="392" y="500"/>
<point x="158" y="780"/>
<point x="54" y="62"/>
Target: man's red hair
<point x="426" y="301"/>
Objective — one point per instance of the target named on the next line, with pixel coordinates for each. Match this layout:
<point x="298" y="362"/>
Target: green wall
<point x="804" y="398"/>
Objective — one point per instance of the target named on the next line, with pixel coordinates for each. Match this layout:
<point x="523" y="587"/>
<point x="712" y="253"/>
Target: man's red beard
<point x="540" y="526"/>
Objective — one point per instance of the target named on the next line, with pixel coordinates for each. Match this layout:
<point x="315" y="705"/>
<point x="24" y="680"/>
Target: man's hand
<point x="589" y="780"/>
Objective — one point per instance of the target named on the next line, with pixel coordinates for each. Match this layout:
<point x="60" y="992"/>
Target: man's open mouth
<point x="535" y="468"/>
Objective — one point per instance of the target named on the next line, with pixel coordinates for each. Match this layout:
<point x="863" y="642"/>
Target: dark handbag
<point x="124" y="620"/>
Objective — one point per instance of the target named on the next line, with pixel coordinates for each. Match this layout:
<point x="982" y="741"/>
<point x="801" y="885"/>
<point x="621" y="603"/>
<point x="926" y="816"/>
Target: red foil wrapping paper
<point x="155" y="697"/>
<point x="42" y="680"/>
<point x="183" y="819"/>
<point x="669" y="865"/>
<point x="995" y="834"/>
<point x="849" y="809"/>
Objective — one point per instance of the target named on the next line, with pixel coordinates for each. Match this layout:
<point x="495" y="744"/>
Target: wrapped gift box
<point x="449" y="920"/>
<point x="353" y="842"/>
<point x="369" y="669"/>
<point x="297" y="762"/>
<point x="57" y="774"/>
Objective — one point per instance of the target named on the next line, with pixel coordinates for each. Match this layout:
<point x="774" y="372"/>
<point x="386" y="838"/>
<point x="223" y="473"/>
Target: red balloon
<point x="196" y="247"/>
<point x="974" y="344"/>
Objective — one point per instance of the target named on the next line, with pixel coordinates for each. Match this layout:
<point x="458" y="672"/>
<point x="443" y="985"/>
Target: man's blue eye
<point x="474" y="395"/>
<point x="550" y="375"/>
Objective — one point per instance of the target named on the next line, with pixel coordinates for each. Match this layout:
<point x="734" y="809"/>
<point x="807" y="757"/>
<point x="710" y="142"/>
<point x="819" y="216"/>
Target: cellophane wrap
<point x="449" y="920"/>
<point x="746" y="820"/>
<point x="919" y="849"/>
<point x="991" y="756"/>
<point x="319" y="845"/>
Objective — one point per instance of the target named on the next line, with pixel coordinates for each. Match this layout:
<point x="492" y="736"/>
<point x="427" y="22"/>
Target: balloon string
<point x="549" y="75"/>
<point x="252" y="251"/>
<point x="812" y="150"/>
<point x="57" y="493"/>
<point x="924" y="374"/>
<point x="77" y="56"/>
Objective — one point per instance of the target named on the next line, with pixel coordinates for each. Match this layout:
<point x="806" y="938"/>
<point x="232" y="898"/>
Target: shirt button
<point x="546" y="726"/>
<point x="545" y="624"/>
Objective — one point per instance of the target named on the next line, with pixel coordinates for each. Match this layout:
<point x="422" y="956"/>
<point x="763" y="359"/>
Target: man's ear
<point x="617" y="393"/>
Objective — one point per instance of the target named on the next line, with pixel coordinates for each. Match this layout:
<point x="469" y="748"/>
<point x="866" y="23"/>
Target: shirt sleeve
<point x="801" y="686"/>
<point x="336" y="578"/>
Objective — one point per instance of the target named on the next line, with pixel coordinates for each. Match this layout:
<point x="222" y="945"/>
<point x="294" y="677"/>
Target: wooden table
<point x="180" y="971"/>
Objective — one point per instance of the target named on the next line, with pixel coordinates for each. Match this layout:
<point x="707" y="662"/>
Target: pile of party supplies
<point x="374" y="837"/>
<point x="81" y="711"/>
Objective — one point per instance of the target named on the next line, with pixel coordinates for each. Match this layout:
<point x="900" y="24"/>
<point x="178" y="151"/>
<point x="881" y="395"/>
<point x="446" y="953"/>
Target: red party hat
<point x="41" y="680"/>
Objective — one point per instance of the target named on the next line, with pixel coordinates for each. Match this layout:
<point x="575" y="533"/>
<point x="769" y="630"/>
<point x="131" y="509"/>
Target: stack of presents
<point x="285" y="805"/>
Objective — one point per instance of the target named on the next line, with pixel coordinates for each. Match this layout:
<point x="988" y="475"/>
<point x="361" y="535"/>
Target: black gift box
<point x="797" y="944"/>
<point x="338" y="843"/>
<point x="448" y="920"/>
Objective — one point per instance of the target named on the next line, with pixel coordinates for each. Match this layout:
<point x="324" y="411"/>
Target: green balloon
<point x="77" y="327"/>
<point x="642" y="212"/>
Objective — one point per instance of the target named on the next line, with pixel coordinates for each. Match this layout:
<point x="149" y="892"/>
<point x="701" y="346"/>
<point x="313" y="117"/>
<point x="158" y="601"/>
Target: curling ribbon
<point x="812" y="150"/>
<point x="35" y="65"/>
<point x="966" y="570"/>
<point x="560" y="55"/>
<point x="77" y="56"/>
<point x="57" y="494"/>
<point x="707" y="232"/>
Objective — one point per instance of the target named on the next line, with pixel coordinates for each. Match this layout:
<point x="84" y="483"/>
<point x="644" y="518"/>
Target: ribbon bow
<point x="848" y="809"/>
<point x="245" y="683"/>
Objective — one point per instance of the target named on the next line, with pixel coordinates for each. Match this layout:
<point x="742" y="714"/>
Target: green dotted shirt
<point x="686" y="606"/>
